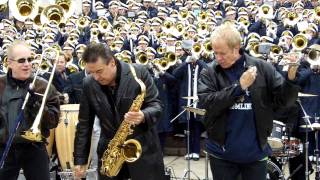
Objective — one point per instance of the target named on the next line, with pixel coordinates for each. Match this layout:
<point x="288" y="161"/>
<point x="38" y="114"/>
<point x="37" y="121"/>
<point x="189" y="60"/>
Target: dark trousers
<point x="226" y="170"/>
<point x="31" y="157"/>
<point x="196" y="128"/>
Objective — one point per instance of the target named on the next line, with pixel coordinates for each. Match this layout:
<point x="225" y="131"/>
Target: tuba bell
<point x="299" y="42"/>
<point x="23" y="9"/>
<point x="197" y="48"/>
<point x="183" y="15"/>
<point x="69" y="6"/>
<point x="208" y="47"/>
<point x="52" y="13"/>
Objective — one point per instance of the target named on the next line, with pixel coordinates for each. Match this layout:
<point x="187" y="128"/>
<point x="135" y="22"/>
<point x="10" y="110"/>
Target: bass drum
<point x="274" y="172"/>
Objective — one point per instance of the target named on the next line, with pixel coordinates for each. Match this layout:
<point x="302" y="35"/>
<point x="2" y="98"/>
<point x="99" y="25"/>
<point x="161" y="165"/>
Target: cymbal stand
<point x="306" y="144"/>
<point x="188" y="171"/>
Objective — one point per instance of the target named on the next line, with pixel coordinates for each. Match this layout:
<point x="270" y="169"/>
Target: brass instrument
<point x="171" y="57"/>
<point x="160" y="50"/>
<point x="203" y="16"/>
<point x="72" y="68"/>
<point x="197" y="48"/>
<point x="291" y="19"/>
<point x="162" y="64"/>
<point x="5" y="64"/>
<point x="265" y="11"/>
<point x="141" y="58"/>
<point x="52" y="13"/>
<point x="299" y="42"/>
<point x="180" y="28"/>
<point x="208" y="47"/>
<point x="94" y="32"/>
<point x="45" y="66"/>
<point x="23" y="9"/>
<point x="317" y="14"/>
<point x="69" y="6"/>
<point x="167" y="25"/>
<point x="37" y="19"/>
<point x="103" y="26"/>
<point x="254" y="49"/>
<point x="119" y="149"/>
<point x="202" y="26"/>
<point x="82" y="22"/>
<point x="34" y="133"/>
<point x="126" y="59"/>
<point x="276" y="49"/>
<point x="81" y="64"/>
<point x="3" y="5"/>
<point x="183" y="15"/>
<point x="313" y="54"/>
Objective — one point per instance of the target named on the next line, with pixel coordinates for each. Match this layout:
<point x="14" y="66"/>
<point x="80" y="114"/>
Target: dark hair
<point x="95" y="50"/>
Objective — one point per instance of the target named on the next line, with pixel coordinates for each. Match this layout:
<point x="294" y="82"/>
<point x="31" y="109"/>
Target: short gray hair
<point x="14" y="44"/>
<point x="228" y="33"/>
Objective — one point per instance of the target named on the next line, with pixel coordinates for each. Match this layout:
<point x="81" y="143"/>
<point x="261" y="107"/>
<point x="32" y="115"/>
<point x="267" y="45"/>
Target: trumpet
<point x="82" y="22"/>
<point x="45" y="66"/>
<point x="141" y="58"/>
<point x="313" y="54"/>
<point x="34" y="133"/>
<point x="254" y="49"/>
<point x="160" y="50"/>
<point x="197" y="48"/>
<point x="208" y="47"/>
<point x="72" y="68"/>
<point x="103" y="26"/>
<point x="162" y="64"/>
<point x="203" y="16"/>
<point x="299" y="42"/>
<point x="276" y="49"/>
<point x="171" y="58"/>
<point x="183" y="15"/>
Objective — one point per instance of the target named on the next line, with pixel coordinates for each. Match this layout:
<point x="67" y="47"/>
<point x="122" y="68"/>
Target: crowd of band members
<point x="145" y="35"/>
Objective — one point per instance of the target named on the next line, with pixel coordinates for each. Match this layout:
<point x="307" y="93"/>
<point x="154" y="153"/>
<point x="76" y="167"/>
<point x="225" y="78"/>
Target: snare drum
<point x="275" y="139"/>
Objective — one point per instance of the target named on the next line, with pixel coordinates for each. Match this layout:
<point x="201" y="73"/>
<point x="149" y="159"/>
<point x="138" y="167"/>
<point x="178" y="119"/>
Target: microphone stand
<point x="306" y="144"/>
<point x="188" y="170"/>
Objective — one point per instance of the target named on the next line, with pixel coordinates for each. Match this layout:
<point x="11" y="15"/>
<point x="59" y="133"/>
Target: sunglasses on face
<point x="23" y="60"/>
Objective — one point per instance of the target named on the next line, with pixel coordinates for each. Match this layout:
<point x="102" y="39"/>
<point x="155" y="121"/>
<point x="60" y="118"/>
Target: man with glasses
<point x="31" y="156"/>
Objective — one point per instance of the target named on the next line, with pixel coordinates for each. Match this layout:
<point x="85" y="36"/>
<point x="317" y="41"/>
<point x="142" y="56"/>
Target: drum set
<point x="283" y="147"/>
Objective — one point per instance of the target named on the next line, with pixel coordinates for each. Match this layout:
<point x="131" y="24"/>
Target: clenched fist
<point x="248" y="77"/>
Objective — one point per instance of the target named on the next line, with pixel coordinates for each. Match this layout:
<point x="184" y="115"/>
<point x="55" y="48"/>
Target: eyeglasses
<point x="23" y="60"/>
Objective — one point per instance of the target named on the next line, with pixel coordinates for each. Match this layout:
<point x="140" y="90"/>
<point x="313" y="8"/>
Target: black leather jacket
<point x="12" y="94"/>
<point x="95" y="103"/>
<point x="217" y="95"/>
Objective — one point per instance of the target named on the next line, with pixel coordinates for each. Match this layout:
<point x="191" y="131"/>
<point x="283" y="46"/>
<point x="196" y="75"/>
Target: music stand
<point x="195" y="110"/>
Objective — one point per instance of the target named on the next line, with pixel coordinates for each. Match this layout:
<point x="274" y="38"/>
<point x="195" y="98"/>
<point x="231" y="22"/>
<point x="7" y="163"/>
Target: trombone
<point x="34" y="133"/>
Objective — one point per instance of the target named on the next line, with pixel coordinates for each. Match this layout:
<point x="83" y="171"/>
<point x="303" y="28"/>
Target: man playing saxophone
<point x="108" y="93"/>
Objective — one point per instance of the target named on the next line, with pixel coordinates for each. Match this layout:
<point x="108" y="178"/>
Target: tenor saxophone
<point x="119" y="149"/>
